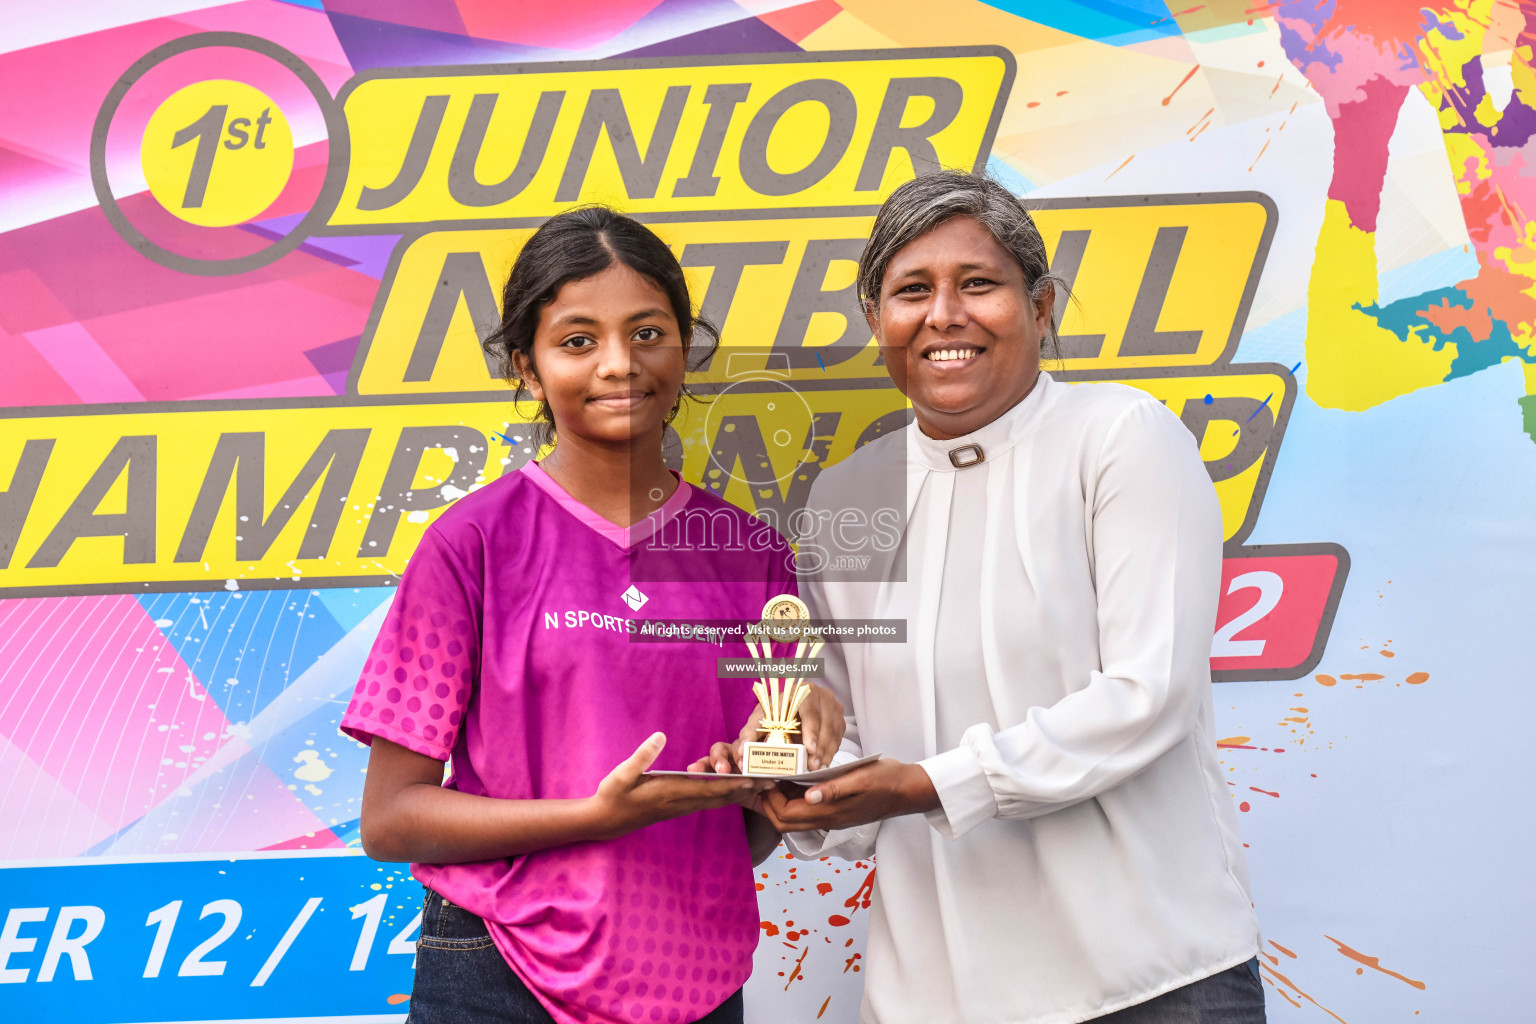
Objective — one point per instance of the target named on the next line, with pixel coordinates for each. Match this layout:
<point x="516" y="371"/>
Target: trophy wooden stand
<point x="777" y="754"/>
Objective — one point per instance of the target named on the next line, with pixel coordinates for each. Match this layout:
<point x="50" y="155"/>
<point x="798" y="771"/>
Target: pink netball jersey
<point x="510" y="647"/>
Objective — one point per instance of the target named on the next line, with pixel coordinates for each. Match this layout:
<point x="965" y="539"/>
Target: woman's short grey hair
<point x="929" y="200"/>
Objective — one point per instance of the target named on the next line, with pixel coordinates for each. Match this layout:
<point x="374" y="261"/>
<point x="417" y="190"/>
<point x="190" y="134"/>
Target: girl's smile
<point x="620" y="400"/>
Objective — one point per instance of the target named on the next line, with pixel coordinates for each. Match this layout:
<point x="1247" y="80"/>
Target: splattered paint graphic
<point x="1472" y="62"/>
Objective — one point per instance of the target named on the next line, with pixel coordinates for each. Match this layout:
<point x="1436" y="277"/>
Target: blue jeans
<point x="461" y="977"/>
<point x="1234" y="996"/>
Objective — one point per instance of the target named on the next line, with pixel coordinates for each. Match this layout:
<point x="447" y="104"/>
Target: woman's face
<point x="609" y="358"/>
<point x="956" y="327"/>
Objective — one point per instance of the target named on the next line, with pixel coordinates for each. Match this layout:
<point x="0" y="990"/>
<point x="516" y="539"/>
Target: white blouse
<point x="1060" y="598"/>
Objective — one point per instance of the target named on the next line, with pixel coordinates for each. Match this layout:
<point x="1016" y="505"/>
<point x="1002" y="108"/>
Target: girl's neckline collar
<point x="625" y="537"/>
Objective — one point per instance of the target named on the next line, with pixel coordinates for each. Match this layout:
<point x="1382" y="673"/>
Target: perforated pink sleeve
<point x="417" y="681"/>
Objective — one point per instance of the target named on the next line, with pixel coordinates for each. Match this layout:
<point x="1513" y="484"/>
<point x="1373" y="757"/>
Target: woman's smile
<point x="950" y="356"/>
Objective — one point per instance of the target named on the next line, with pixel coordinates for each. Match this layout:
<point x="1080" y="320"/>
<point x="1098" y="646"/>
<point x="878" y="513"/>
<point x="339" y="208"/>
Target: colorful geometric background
<point x="1384" y="800"/>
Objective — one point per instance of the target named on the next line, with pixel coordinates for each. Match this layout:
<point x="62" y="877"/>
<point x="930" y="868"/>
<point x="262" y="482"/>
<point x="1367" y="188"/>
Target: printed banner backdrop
<point x="247" y="251"/>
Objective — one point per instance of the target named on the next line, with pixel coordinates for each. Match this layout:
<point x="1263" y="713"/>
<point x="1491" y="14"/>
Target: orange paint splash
<point x="1373" y="963"/>
<point x="823" y="1007"/>
<point x="1388" y="654"/>
<point x="1117" y="170"/>
<point x="1260" y="156"/>
<point x="1266" y="792"/>
<point x="860" y="898"/>
<point x="1282" y="949"/>
<point x="1234" y="743"/>
<point x="1326" y="681"/>
<point x="1364" y="677"/>
<point x="1512" y="211"/>
<point x="1499" y="289"/>
<point x="864" y="893"/>
<point x="823" y="888"/>
<point x="1373" y="18"/>
<point x="1198" y="120"/>
<point x="1417" y="678"/>
<point x="1292" y="986"/>
<point x="1284" y="994"/>
<point x="796" y="972"/>
<point x="1181" y="84"/>
<point x="397" y="999"/>
<point x="769" y="928"/>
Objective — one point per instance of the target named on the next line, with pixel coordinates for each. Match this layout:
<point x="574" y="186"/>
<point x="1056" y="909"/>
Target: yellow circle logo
<point x="217" y="153"/>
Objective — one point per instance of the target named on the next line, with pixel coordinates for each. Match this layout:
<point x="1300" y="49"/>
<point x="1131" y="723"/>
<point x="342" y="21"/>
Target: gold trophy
<point x="780" y="698"/>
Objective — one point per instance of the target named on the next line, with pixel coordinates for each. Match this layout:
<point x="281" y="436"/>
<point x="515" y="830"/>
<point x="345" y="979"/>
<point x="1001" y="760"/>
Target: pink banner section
<point x="76" y="357"/>
<point x="138" y="721"/>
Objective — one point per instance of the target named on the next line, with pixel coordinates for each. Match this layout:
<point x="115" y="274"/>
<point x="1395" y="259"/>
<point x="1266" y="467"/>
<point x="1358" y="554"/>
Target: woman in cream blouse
<point x="1055" y="842"/>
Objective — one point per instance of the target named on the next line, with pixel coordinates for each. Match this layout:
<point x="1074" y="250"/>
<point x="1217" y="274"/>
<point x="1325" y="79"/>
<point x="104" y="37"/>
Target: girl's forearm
<point x="408" y="816"/>
<point x="427" y="824"/>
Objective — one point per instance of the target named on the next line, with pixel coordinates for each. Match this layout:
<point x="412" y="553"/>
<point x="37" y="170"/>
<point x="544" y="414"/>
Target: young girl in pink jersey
<point x="563" y="884"/>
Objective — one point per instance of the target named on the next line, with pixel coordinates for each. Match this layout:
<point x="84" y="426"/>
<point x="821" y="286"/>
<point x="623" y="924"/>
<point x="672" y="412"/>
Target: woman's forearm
<point x="762" y="837"/>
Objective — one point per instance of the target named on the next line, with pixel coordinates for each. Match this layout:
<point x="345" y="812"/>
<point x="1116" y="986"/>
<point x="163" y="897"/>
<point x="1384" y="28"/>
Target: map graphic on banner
<point x="248" y="252"/>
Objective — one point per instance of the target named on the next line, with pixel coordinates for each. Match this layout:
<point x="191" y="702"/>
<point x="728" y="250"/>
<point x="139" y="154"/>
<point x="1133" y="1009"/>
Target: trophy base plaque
<point x="773" y="759"/>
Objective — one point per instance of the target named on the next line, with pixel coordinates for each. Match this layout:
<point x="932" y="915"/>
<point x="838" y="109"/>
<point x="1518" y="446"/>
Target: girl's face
<point x="609" y="357"/>
<point x="959" y="334"/>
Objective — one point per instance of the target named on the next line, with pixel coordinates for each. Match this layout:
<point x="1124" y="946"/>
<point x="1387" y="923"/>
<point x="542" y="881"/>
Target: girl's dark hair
<point x="572" y="246"/>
